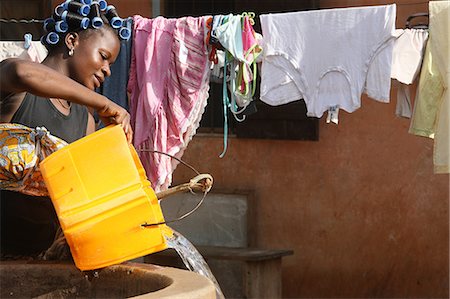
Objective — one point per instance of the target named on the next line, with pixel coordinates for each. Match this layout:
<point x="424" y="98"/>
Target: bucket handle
<point x="194" y="183"/>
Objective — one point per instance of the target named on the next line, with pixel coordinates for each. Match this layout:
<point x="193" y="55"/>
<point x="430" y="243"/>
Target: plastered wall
<point x="361" y="207"/>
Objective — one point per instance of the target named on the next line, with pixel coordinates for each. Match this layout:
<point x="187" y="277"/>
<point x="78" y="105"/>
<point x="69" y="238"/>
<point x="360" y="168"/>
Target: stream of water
<point x="192" y="259"/>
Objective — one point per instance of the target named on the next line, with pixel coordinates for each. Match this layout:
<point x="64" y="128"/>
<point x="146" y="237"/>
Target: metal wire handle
<point x="193" y="183"/>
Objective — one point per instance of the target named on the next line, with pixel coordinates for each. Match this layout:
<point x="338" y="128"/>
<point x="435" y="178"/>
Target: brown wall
<point x="132" y="7"/>
<point x="361" y="208"/>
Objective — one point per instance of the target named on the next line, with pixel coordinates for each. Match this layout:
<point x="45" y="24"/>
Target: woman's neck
<point x="56" y="62"/>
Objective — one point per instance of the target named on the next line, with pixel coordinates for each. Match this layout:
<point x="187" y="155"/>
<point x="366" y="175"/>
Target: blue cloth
<point x="115" y="86"/>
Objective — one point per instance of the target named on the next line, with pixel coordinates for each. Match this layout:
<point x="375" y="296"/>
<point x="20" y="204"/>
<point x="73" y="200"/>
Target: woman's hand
<point x="112" y="113"/>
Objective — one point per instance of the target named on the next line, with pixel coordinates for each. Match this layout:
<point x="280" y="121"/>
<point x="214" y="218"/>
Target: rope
<point x="20" y="21"/>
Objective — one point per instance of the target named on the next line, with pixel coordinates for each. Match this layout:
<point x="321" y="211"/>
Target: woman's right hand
<point x="112" y="113"/>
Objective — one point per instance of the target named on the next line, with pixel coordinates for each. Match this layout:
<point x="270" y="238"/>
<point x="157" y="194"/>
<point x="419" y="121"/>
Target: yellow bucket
<point x="102" y="197"/>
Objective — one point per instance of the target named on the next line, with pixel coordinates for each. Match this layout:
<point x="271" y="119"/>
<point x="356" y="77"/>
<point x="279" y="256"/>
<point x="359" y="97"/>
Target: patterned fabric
<point x="21" y="151"/>
<point x="36" y="52"/>
<point x="169" y="83"/>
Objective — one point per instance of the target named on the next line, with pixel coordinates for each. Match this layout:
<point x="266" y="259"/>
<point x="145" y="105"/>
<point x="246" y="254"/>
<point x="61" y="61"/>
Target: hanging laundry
<point x="432" y="106"/>
<point x="229" y="34"/>
<point x="403" y="107"/>
<point x="246" y="81"/>
<point x="327" y="57"/>
<point x="169" y="84"/>
<point x="407" y="58"/>
<point x="115" y="86"/>
<point x="237" y="37"/>
<point x="407" y="54"/>
<point x="35" y="52"/>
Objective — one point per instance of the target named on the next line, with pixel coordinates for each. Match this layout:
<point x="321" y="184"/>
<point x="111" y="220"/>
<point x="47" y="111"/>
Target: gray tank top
<point x="39" y="112"/>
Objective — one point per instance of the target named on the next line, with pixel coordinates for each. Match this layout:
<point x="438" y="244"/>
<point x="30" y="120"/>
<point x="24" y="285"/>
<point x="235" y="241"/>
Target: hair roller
<point x="94" y="15"/>
<point x="61" y="26"/>
<point x="51" y="38"/>
<point x="59" y="9"/>
<point x="65" y="4"/>
<point x="124" y="33"/>
<point x="74" y="20"/>
<point x="56" y="17"/>
<point x="77" y="7"/>
<point x="114" y="20"/>
<point x="103" y="4"/>
<point x="49" y="24"/>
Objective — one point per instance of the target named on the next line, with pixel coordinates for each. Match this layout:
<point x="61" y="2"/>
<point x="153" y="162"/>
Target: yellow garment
<point x="21" y="151"/>
<point x="431" y="110"/>
<point x="428" y="99"/>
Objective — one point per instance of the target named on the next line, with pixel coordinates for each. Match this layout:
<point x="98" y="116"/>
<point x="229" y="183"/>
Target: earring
<point x="71" y="52"/>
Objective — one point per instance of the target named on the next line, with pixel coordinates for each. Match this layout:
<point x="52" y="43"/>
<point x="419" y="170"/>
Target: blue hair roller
<point x="84" y="10"/>
<point x="49" y="24"/>
<point x="94" y="15"/>
<point x="75" y="20"/>
<point x="59" y="9"/>
<point x="114" y="20"/>
<point x="65" y="5"/>
<point x="97" y="22"/>
<point x="124" y="33"/>
<point x="87" y="2"/>
<point x="61" y="26"/>
<point x="52" y="38"/>
<point x="84" y="24"/>
<point x="74" y="6"/>
<point x="103" y="4"/>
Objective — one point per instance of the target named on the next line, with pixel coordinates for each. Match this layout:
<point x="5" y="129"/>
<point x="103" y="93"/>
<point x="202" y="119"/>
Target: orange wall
<point x="361" y="208"/>
<point x="132" y="7"/>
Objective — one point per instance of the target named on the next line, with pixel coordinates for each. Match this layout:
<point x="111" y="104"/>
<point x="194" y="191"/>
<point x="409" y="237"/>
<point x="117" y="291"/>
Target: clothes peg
<point x="419" y="25"/>
<point x="27" y="40"/>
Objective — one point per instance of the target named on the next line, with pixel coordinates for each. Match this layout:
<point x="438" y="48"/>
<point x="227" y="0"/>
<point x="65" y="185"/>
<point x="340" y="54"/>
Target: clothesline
<point x="270" y="87"/>
<point x="21" y="21"/>
<point x="28" y="21"/>
<point x="42" y="21"/>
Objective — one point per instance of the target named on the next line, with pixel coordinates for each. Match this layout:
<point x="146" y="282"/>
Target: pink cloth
<point x="252" y="50"/>
<point x="249" y="41"/>
<point x="169" y="84"/>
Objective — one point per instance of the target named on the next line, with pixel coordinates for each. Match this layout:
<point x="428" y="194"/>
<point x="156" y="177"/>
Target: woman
<point x="57" y="94"/>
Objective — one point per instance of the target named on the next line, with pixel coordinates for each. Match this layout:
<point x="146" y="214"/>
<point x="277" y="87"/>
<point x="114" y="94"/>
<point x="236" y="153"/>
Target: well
<point x="22" y="279"/>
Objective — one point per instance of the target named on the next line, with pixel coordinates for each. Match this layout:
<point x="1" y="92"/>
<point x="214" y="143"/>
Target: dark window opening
<point x="23" y="10"/>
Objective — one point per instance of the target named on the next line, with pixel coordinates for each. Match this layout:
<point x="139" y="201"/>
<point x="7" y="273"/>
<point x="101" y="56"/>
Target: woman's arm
<point x="90" y="125"/>
<point x="17" y="75"/>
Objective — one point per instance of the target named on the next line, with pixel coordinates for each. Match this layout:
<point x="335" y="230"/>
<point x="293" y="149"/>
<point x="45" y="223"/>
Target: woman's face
<point x="93" y="54"/>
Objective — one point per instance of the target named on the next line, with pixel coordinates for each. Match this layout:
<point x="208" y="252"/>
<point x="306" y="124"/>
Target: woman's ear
<point x="71" y="40"/>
